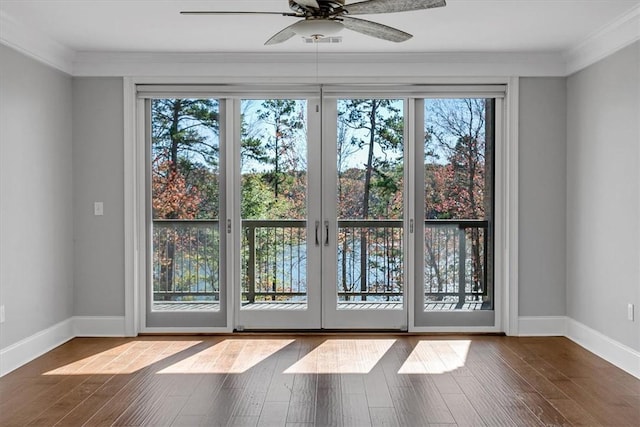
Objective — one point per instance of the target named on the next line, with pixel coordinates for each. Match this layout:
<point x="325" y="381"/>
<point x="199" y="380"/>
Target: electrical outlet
<point x="1" y="313"/>
<point x="630" y="312"/>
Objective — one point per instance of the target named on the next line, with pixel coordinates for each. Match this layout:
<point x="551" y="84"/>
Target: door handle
<point x="326" y="231"/>
<point x="317" y="233"/>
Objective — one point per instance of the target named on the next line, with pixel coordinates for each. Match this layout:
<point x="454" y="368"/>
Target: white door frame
<point x="506" y="256"/>
<point x="310" y="318"/>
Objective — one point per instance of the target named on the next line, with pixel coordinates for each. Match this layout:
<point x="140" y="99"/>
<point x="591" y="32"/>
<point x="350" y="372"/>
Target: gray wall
<point x="98" y="174"/>
<point x="36" y="237"/>
<point x="579" y="162"/>
<point x="98" y="157"/>
<point x="603" y="213"/>
<point x="542" y="197"/>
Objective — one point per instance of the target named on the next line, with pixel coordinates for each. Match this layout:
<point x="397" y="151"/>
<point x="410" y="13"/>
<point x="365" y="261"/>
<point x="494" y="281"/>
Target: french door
<point x="321" y="202"/>
<point x="279" y="202"/>
<point x="364" y="205"/>
<point x="320" y="208"/>
<point x="186" y="210"/>
<point x="455" y="211"/>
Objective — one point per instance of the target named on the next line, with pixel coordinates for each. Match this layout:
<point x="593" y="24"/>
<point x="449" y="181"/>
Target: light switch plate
<point x="98" y="208"/>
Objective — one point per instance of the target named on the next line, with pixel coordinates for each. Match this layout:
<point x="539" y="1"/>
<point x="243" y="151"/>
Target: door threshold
<point x="320" y="331"/>
<point x="356" y="332"/>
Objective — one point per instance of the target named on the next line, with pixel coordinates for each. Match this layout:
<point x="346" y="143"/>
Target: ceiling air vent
<point x="331" y="40"/>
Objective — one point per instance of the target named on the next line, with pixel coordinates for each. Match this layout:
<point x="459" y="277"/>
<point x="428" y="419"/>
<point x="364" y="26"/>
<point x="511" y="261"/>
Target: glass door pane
<point x="457" y="210"/>
<point x="185" y="207"/>
<point x="369" y="210"/>
<point x="274" y="205"/>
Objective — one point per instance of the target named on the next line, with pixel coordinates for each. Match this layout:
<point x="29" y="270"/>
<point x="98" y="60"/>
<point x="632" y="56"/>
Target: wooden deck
<point x="319" y="380"/>
<point x="278" y="306"/>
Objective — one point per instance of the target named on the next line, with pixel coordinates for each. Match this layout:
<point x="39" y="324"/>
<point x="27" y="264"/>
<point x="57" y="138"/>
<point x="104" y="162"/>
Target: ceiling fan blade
<point x="371" y="7"/>
<point x="308" y="3"/>
<point x="236" y="12"/>
<point x="282" y="36"/>
<point x="375" y="29"/>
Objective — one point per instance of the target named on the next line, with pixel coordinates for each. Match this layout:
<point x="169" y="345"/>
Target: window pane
<point x="458" y="202"/>
<point x="370" y="200"/>
<point x="273" y="204"/>
<point x="185" y="180"/>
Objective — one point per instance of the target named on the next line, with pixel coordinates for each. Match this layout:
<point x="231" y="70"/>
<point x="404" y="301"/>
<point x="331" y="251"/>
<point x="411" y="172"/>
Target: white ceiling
<point x="462" y="26"/>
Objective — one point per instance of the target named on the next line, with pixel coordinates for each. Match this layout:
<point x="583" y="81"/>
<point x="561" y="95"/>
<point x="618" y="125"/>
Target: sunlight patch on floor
<point x="436" y="357"/>
<point x="231" y="356"/>
<point x="342" y="356"/>
<point x="123" y="359"/>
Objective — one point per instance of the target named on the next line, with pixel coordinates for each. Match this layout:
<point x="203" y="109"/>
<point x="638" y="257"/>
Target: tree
<point x="286" y="120"/>
<point x="376" y="126"/>
<point x="274" y="182"/>
<point x="184" y="139"/>
<point x="173" y="197"/>
<point x="455" y="168"/>
<point x="185" y="154"/>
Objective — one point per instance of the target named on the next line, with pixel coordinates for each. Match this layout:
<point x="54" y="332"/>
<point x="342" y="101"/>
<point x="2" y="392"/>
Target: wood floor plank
<point x="273" y="414"/>
<point x="329" y="407"/>
<point x="462" y="410"/>
<point x="377" y="389"/>
<point x="489" y="410"/>
<point x="301" y="412"/>
<point x="281" y="383"/>
<point x="188" y="421"/>
<point x="383" y="417"/>
<point x="243" y="422"/>
<point x="90" y="406"/>
<point x="604" y="412"/>
<point x="352" y="384"/>
<point x="408" y="407"/>
<point x="446" y="384"/>
<point x="142" y="386"/>
<point x="543" y="409"/>
<point x="69" y="401"/>
<point x="312" y="380"/>
<point x="222" y="408"/>
<point x="573" y="412"/>
<point x="431" y="402"/>
<point x="199" y="403"/>
<point x="355" y="410"/>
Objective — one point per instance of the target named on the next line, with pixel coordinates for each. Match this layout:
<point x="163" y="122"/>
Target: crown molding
<point x="309" y="67"/>
<point x="340" y="66"/>
<point x="609" y="39"/>
<point x="35" y="44"/>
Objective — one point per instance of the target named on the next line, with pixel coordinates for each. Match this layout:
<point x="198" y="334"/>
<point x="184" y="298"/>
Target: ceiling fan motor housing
<point x="328" y="8"/>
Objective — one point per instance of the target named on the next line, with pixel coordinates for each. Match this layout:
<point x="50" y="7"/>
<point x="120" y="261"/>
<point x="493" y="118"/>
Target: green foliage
<point x="455" y="156"/>
<point x="375" y="126"/>
<point x="185" y="154"/>
<point x="257" y="198"/>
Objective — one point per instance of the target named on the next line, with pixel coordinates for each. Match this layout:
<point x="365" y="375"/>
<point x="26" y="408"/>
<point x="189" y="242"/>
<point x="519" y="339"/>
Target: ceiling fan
<point x="321" y="18"/>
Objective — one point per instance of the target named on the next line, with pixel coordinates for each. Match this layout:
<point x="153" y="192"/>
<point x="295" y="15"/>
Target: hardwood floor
<point x="305" y="380"/>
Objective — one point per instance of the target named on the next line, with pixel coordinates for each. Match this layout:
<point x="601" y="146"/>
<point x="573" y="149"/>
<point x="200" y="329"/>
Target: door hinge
<point x="411" y="226"/>
<point x="228" y="226"/>
<point x="317" y="108"/>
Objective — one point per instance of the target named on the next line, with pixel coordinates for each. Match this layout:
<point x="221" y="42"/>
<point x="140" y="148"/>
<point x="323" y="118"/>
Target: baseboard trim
<point x="610" y="350"/>
<point x="542" y="326"/>
<point x="30" y="348"/>
<point x="99" y="326"/>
